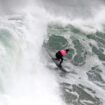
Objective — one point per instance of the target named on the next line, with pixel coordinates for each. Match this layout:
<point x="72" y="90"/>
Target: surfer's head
<point x="67" y="50"/>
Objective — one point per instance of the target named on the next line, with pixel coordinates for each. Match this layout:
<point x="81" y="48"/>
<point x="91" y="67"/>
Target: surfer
<point x="59" y="56"/>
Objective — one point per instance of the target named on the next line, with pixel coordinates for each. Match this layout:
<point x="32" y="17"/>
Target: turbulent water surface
<point x="30" y="31"/>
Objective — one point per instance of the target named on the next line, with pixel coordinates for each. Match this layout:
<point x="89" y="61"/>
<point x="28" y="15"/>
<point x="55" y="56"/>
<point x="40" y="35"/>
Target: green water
<point x="83" y="47"/>
<point x="62" y="37"/>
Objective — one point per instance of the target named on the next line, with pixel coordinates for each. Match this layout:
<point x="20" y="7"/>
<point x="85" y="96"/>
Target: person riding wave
<point x="60" y="54"/>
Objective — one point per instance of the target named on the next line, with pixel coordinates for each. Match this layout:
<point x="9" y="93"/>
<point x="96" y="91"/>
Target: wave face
<point x="85" y="62"/>
<point x="30" y="30"/>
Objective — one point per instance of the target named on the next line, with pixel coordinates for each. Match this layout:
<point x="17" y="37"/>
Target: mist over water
<point x="25" y="78"/>
<point x="73" y="8"/>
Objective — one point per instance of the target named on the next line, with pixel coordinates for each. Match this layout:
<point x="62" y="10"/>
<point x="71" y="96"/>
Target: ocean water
<point x="30" y="30"/>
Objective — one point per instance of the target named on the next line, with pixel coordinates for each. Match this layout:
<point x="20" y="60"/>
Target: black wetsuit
<point x="59" y="57"/>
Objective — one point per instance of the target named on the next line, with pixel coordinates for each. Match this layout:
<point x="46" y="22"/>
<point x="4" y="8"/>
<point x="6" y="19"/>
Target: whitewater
<point x="31" y="29"/>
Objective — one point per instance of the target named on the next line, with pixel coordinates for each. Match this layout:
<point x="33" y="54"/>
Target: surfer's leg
<point x="61" y="62"/>
<point x="57" y="57"/>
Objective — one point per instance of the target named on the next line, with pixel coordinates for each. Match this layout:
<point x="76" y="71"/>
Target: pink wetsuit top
<point x="63" y="52"/>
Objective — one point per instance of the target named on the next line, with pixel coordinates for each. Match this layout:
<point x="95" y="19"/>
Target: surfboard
<point x="60" y="67"/>
<point x="55" y="61"/>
